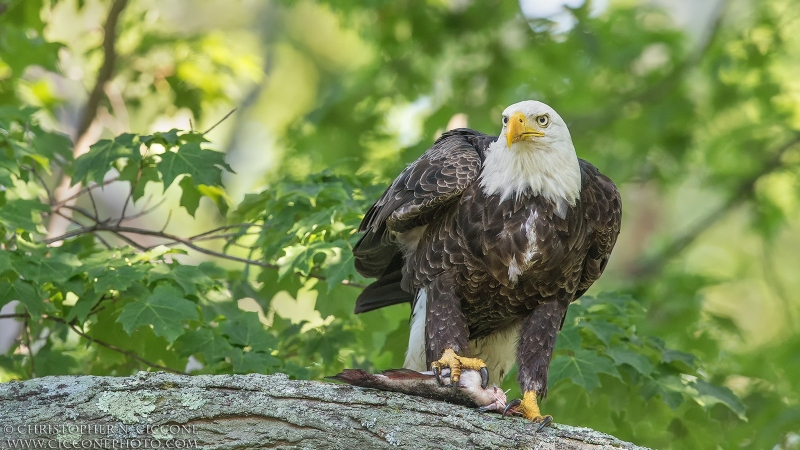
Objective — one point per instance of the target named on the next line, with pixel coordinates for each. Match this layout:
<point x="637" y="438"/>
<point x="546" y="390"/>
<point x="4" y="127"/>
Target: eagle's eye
<point x="543" y="120"/>
<point x="505" y="120"/>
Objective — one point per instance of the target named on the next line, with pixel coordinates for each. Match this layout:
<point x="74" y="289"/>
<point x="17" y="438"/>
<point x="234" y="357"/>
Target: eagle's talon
<point x="529" y="409"/>
<point x="546" y="420"/>
<point x="511" y="407"/>
<point x="456" y="363"/>
<point x="484" y="377"/>
<point x="437" y="373"/>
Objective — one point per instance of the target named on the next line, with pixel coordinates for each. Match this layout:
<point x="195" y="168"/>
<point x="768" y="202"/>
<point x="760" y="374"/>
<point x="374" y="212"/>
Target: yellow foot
<point x="456" y="363"/>
<point x="529" y="409"/>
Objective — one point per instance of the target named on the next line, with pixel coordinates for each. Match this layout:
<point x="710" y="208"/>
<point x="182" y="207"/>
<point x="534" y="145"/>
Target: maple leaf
<point x="202" y="165"/>
<point x="582" y="368"/>
<point x="165" y="311"/>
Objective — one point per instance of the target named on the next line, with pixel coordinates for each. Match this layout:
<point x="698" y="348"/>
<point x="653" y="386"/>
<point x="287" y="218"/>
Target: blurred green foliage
<point x="247" y="266"/>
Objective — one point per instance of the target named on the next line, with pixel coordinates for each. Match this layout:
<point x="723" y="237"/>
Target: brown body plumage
<point x="487" y="260"/>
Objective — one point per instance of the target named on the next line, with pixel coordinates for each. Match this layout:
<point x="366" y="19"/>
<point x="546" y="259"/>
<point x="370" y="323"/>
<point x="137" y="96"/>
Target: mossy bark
<point x="160" y="410"/>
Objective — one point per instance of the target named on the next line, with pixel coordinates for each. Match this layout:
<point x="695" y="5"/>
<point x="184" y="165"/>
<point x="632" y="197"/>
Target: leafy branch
<point x="653" y="92"/>
<point x="26" y="317"/>
<point x="117" y="229"/>
<point x="741" y="193"/>
<point x="176" y="240"/>
<point x="113" y="347"/>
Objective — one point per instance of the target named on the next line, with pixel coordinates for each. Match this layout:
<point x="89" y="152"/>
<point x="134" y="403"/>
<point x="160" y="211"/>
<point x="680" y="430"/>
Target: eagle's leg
<point x="447" y="332"/>
<point x="536" y="342"/>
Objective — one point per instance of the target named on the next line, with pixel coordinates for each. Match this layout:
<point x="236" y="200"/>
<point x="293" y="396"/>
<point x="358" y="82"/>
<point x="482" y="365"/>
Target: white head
<point x="534" y="152"/>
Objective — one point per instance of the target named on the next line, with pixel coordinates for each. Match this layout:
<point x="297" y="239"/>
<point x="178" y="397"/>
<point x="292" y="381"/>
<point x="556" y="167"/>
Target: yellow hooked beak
<point x="518" y="129"/>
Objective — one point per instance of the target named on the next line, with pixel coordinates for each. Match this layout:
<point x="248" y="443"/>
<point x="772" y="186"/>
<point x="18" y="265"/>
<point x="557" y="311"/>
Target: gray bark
<point x="160" y="410"/>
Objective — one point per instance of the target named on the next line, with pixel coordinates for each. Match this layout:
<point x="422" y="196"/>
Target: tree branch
<point x="219" y="121"/>
<point x="94" y="204"/>
<point x="85" y="190"/>
<point x="50" y="198"/>
<point x="88" y="130"/>
<point x="177" y="240"/>
<point x="26" y="331"/>
<point x="228" y="412"/>
<point x="144" y="211"/>
<point x="14" y="316"/>
<point x="26" y="318"/>
<point x="110" y="346"/>
<point x="119" y="350"/>
<point x="72" y="219"/>
<point x="106" y="70"/>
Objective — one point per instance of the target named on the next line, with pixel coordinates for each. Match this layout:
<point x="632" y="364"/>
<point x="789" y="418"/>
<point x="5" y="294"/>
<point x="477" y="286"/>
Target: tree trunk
<point x="160" y="410"/>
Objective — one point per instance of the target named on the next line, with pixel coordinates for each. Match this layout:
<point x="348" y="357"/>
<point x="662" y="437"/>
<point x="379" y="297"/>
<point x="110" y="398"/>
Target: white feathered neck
<point x="551" y="171"/>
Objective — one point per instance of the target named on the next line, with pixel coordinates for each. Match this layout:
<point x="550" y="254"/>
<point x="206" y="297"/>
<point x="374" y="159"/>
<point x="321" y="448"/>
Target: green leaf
<point x="602" y="329"/>
<point x="202" y="165"/>
<point x="337" y="302"/>
<point x="569" y="339"/>
<point x="247" y="330"/>
<point x="165" y="310"/>
<point x="55" y="268"/>
<point x="27" y="294"/>
<point x="217" y="195"/>
<point x="138" y="177"/>
<point x="582" y="369"/>
<point x="301" y="258"/>
<point x="12" y="365"/>
<point x="83" y="307"/>
<point x="20" y="50"/>
<point x="120" y="278"/>
<point x="167" y="139"/>
<point x="343" y="269"/>
<point x="190" y="196"/>
<point x="207" y="342"/>
<point x="5" y="260"/>
<point x="613" y="302"/>
<point x="100" y="158"/>
<point x="52" y="145"/>
<point x="670" y="387"/>
<point x="25" y="14"/>
<point x="622" y="355"/>
<point x="709" y="395"/>
<point x="22" y="214"/>
<point x="193" y="136"/>
<point x="249" y="362"/>
<point x="5" y="175"/>
<point x="188" y="277"/>
<point x="50" y="361"/>
<point x="681" y="360"/>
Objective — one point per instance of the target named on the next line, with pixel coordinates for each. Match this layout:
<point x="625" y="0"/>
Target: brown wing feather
<point x="602" y="206"/>
<point x="425" y="187"/>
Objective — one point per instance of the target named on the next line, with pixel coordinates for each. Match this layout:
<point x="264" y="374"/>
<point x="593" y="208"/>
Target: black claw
<point x="484" y="377"/>
<point x="512" y="404"/>
<point x="546" y="420"/>
<point x="438" y="376"/>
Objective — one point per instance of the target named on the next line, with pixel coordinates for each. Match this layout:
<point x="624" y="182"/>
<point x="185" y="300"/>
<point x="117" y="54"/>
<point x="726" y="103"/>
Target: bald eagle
<point x="490" y="239"/>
